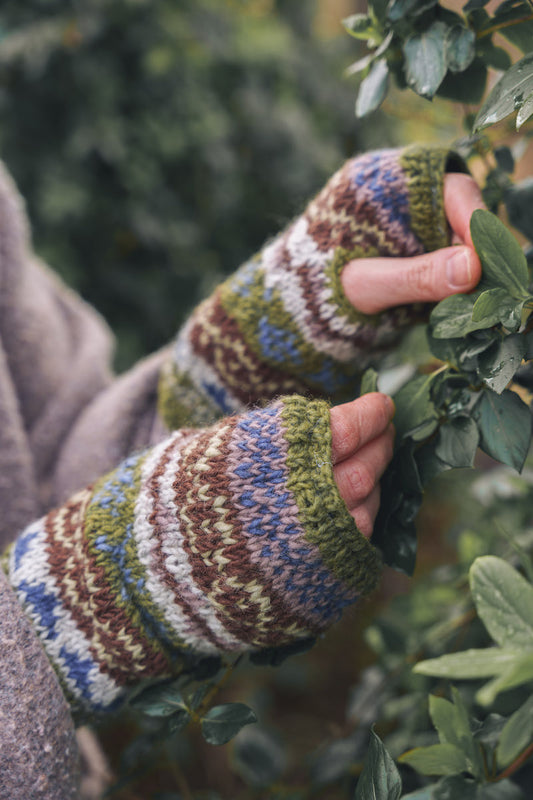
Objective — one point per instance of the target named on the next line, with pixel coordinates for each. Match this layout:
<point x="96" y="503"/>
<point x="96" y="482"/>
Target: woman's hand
<point x="362" y="444"/>
<point x="374" y="284"/>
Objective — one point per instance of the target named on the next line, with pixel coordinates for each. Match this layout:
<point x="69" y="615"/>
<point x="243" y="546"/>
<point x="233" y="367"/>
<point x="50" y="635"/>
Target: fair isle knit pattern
<point x="215" y="541"/>
<point x="281" y="323"/>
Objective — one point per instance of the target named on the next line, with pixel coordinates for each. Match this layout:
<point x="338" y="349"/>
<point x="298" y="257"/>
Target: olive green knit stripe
<point x="115" y="522"/>
<point x="247" y="311"/>
<point x="425" y="168"/>
<point x="179" y="403"/>
<point x="323" y="513"/>
<point x="4" y="559"/>
<point x="333" y="272"/>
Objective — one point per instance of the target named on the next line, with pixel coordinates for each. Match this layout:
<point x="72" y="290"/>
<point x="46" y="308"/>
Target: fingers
<point x="357" y="477"/>
<point x="362" y="446"/>
<point x="355" y="424"/>
<point x="462" y="196"/>
<point x="372" y="285"/>
<point x="366" y="513"/>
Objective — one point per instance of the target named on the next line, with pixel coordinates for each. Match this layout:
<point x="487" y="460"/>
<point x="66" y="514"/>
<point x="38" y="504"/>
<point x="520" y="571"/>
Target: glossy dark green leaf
<point x="498" y="365"/>
<point x="504" y="423"/>
<point x="452" y="317"/>
<point x="508" y="94"/>
<point x="460" y="48"/>
<point x="380" y="779"/>
<point x="504" y="602"/>
<point x="516" y="735"/>
<point x="369" y="382"/>
<point x="494" y="306"/>
<point x="467" y="86"/>
<point x="360" y="26"/>
<point x="223" y="722"/>
<point x="159" y="701"/>
<point x="259" y="757"/>
<point x="437" y="759"/>
<point x="504" y="263"/>
<point x="275" y="656"/>
<point x="373" y="88"/>
<point x="518" y="203"/>
<point x="458" y="441"/>
<point x="399" y="546"/>
<point x="399" y="9"/>
<point x="425" y="59"/>
<point x="455" y="787"/>
<point x="414" y="405"/>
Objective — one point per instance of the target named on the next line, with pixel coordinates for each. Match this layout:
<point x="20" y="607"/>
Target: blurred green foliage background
<point x="158" y="143"/>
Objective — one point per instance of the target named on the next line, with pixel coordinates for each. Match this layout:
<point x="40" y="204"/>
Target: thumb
<point x="374" y="284"/>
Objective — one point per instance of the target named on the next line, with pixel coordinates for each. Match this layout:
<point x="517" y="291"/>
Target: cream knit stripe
<point x="160" y="549"/>
<point x="67" y="647"/>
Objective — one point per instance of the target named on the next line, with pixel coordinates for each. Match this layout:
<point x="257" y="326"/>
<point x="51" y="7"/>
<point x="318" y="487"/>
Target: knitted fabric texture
<point x="220" y="540"/>
<point x="281" y="323"/>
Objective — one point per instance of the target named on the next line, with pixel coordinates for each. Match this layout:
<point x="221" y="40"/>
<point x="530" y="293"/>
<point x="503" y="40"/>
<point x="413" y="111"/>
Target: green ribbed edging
<point x="425" y="168"/>
<point x="323" y="513"/>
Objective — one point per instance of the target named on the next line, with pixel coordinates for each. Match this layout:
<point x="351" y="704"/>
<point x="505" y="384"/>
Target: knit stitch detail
<point x="425" y="168"/>
<point x="222" y="540"/>
<point x="281" y="324"/>
<point x="325" y="517"/>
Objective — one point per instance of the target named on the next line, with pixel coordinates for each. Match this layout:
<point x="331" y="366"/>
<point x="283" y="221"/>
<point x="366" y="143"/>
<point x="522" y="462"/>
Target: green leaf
<point x="222" y="723"/>
<point x="452" y="317"/>
<point x="498" y="365"/>
<point x="458" y="441"/>
<point x="469" y="665"/>
<point x="437" y="759"/>
<point x="502" y="790"/>
<point x="496" y="305"/>
<point x="504" y="602"/>
<point x="460" y="48"/>
<point x="520" y="672"/>
<point x="369" y="382"/>
<point x="425" y="59"/>
<point x="360" y="26"/>
<point x="380" y="779"/>
<point x="524" y="112"/>
<point x="491" y="55"/>
<point x="504" y="423"/>
<point x="516" y="735"/>
<point x="160" y="701"/>
<point x="467" y="86"/>
<point x="259" y="757"/>
<point x="414" y="406"/>
<point x="504" y="263"/>
<point x="373" y="89"/>
<point x="399" y="9"/>
<point x="508" y="94"/>
<point x="455" y="787"/>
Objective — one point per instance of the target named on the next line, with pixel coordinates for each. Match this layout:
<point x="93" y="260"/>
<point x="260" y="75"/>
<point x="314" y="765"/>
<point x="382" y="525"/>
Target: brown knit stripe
<point x="161" y="519"/>
<point x="217" y="338"/>
<point x="247" y="605"/>
<point x="116" y="645"/>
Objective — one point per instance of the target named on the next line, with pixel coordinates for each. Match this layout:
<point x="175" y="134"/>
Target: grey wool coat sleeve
<point x="64" y="420"/>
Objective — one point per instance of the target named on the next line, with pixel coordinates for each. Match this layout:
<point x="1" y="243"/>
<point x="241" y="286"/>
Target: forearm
<point x="218" y="541"/>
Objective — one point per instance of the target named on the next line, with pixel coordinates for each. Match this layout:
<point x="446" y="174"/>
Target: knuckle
<point x="420" y="279"/>
<point x="361" y="480"/>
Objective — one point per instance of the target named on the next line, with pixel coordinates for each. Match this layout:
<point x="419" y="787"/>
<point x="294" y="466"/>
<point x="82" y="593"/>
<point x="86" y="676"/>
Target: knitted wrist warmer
<point x="282" y="323"/>
<point x="222" y="540"/>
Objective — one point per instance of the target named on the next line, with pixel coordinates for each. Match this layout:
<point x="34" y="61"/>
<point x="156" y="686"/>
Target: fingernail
<point x="459" y="270"/>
